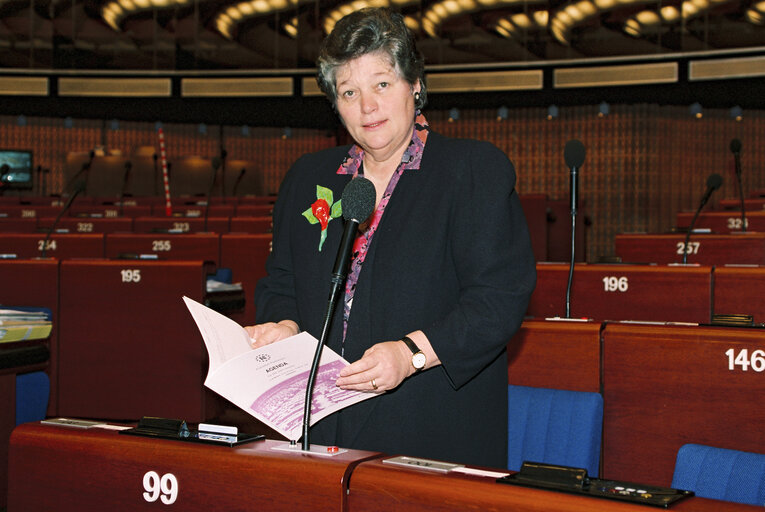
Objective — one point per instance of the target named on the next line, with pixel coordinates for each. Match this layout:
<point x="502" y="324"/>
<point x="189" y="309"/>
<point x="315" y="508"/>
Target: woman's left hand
<point x="382" y="367"/>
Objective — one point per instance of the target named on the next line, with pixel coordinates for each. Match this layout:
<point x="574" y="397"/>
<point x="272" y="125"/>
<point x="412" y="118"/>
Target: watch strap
<point x="412" y="345"/>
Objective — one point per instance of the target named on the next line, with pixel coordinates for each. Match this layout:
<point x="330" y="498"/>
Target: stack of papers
<point x="20" y="325"/>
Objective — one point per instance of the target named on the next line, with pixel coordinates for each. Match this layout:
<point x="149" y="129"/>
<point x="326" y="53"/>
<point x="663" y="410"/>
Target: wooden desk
<point x="34" y="283"/>
<point x="665" y="386"/>
<point x="65" y="469"/>
<point x="30" y="211"/>
<point x="180" y="224"/>
<point x="535" y="209"/>
<point x="245" y="255"/>
<point x="128" y="346"/>
<point x="555" y="354"/>
<point x="165" y="246"/>
<point x="751" y="204"/>
<point x="723" y="222"/>
<point x="624" y="292"/>
<point x="377" y="486"/>
<point x="254" y="210"/>
<point x="747" y="248"/>
<point x="109" y="211"/>
<point x="198" y="210"/>
<point x="739" y="290"/>
<point x="87" y="224"/>
<point x="251" y="225"/>
<point x="60" y="245"/>
<point x="32" y="354"/>
<point x="18" y="225"/>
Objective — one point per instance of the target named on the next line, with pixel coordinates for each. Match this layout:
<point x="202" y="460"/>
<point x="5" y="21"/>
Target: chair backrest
<point x="32" y="393"/>
<point x="554" y="426"/>
<point x="721" y="474"/>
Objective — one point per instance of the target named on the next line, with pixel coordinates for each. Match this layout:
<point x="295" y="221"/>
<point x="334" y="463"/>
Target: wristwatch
<point x="418" y="358"/>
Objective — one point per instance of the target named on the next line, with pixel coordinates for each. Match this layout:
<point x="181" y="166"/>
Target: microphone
<point x="83" y="170"/>
<point x="713" y="183"/>
<point x="735" y="147"/>
<point x="128" y="166"/>
<point x="238" y="180"/>
<point x="215" y="167"/>
<point x="358" y="203"/>
<point x="78" y="188"/>
<point x="573" y="154"/>
<point x="223" y="155"/>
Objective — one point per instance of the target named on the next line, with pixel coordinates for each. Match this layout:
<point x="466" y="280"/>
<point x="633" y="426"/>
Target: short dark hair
<point x="366" y="31"/>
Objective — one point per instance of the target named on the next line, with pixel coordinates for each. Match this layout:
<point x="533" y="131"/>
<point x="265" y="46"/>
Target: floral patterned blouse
<point x="353" y="164"/>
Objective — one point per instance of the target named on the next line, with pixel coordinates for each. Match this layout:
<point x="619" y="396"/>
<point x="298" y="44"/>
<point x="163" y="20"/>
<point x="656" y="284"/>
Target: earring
<point x="416" y="97"/>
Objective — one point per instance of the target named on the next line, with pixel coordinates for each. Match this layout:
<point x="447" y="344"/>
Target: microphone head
<point x="714" y="181"/>
<point x="735" y="146"/>
<point x="358" y="199"/>
<point x="574" y="153"/>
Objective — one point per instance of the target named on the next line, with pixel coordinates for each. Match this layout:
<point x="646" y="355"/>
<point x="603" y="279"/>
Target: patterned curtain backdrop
<point x="644" y="162"/>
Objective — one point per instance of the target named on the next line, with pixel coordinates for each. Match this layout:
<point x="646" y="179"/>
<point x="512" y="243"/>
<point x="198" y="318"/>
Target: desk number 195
<point x="743" y="360"/>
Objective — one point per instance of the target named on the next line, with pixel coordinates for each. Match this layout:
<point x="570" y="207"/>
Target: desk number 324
<point x="744" y="360"/>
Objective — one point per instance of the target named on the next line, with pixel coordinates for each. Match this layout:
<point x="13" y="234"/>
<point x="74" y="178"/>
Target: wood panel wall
<point x="644" y="162"/>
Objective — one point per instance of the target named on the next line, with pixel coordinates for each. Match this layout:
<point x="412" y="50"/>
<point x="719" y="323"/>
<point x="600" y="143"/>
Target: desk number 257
<point x="744" y="360"/>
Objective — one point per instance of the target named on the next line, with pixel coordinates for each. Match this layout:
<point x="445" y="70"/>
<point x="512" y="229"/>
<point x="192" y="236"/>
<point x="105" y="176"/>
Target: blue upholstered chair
<point x="555" y="427"/>
<point x="721" y="474"/>
<point x="32" y="393"/>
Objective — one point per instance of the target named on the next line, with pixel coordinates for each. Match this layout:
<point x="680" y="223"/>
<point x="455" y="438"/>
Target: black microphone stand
<point x="125" y="176"/>
<point x="215" y="165"/>
<point x="713" y="183"/>
<point x="735" y="146"/>
<point x="66" y="207"/>
<point x="337" y="280"/>
<point x="573" y="154"/>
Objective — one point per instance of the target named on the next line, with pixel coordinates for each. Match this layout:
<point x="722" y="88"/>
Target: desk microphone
<point x="735" y="147"/>
<point x="83" y="170"/>
<point x="238" y="181"/>
<point x="573" y="154"/>
<point x="215" y="166"/>
<point x="128" y="166"/>
<point x="78" y="188"/>
<point x="358" y="204"/>
<point x="713" y="183"/>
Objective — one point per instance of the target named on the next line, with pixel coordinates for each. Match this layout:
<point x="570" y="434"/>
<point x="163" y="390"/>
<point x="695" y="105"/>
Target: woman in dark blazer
<point x="441" y="273"/>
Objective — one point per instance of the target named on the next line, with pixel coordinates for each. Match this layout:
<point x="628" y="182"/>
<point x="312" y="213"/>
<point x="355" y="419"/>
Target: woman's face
<point x="376" y="105"/>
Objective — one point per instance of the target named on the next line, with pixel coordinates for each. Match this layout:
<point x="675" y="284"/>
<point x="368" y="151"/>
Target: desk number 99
<point x="164" y="488"/>
<point x="744" y="360"/>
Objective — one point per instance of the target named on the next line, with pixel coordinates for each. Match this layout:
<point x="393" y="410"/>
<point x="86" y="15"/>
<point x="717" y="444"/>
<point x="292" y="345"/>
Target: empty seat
<point x="721" y="473"/>
<point x="554" y="426"/>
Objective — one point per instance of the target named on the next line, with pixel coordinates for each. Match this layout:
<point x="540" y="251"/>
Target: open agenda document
<point x="269" y="382"/>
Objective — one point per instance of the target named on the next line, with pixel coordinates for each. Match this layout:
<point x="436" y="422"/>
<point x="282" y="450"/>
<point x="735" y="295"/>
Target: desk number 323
<point x="744" y="360"/>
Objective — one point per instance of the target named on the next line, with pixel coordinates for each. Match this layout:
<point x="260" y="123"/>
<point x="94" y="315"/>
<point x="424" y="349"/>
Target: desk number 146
<point x="744" y="360"/>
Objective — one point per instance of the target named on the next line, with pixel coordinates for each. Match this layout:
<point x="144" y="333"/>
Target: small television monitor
<point x="15" y="169"/>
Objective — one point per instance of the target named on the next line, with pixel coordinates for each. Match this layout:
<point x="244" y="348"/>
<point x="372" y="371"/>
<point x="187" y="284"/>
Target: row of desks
<point x="69" y="470"/>
<point x="665" y="293"/>
<point x="706" y="249"/>
<point x="78" y="209"/>
<point x="663" y="386"/>
<point x="131" y="302"/>
<point x="156" y="224"/>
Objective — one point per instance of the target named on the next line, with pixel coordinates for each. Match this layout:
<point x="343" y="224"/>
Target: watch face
<point x="418" y="360"/>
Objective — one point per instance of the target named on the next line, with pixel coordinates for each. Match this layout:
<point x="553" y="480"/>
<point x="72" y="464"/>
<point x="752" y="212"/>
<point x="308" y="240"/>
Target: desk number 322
<point x="744" y="360"/>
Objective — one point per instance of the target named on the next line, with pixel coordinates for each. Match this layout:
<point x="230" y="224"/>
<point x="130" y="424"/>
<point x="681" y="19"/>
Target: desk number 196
<point x="743" y="360"/>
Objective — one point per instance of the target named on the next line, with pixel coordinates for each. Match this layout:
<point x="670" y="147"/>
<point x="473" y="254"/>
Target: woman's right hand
<point x="269" y="332"/>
